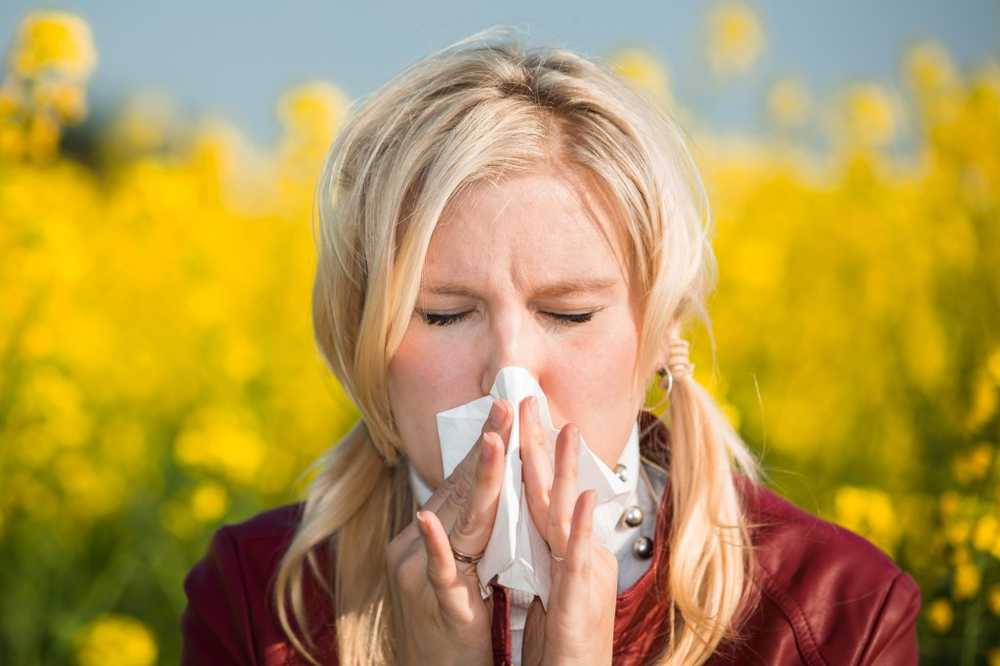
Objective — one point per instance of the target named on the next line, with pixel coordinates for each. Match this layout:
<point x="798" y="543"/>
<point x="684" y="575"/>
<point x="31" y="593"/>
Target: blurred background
<point x="158" y="376"/>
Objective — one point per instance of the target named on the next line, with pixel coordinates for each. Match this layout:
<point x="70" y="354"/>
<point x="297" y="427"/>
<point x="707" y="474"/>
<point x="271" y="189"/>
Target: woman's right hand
<point x="440" y="615"/>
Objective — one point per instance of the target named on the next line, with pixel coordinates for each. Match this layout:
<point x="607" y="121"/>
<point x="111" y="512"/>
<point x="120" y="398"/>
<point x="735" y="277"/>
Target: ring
<point x="557" y="558"/>
<point x="465" y="557"/>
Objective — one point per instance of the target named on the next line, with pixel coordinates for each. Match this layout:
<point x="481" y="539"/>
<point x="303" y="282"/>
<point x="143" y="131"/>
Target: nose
<point x="512" y="339"/>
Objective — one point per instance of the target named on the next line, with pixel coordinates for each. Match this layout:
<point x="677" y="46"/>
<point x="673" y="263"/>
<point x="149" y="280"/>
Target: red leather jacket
<point x="828" y="595"/>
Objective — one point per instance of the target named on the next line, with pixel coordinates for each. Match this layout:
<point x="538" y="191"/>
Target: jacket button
<point x="643" y="548"/>
<point x="632" y="516"/>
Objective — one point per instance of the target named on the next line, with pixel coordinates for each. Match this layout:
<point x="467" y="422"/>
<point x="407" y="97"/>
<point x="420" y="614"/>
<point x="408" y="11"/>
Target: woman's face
<point x="518" y="273"/>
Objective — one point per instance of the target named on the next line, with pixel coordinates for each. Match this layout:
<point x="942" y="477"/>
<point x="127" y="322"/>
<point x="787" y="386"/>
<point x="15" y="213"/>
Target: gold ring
<point x="465" y="557"/>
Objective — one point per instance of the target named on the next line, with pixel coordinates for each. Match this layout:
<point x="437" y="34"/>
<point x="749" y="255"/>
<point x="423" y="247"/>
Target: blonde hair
<point x="481" y="109"/>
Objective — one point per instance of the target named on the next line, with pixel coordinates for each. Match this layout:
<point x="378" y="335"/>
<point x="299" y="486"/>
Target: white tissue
<point x="516" y="551"/>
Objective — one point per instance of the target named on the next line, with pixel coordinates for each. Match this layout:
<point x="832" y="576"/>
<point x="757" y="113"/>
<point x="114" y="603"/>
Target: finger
<point x="456" y="484"/>
<point x="564" y="492"/>
<point x="472" y="527"/>
<point x="573" y="588"/>
<point x="460" y="478"/>
<point x="477" y="490"/>
<point x="536" y="466"/>
<point x="533" y="643"/>
<point x="579" y="547"/>
<point x="441" y="569"/>
<point x="442" y="572"/>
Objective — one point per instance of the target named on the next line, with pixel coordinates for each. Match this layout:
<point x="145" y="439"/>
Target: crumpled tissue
<point x="516" y="553"/>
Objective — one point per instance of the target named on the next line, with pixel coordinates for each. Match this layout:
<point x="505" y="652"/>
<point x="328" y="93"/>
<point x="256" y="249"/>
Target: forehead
<point x="539" y="226"/>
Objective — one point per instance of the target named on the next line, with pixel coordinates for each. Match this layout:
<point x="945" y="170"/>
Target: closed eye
<point x="560" y="319"/>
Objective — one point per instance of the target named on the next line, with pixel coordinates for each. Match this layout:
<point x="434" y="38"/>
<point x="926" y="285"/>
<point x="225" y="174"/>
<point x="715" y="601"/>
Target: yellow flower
<point x="11" y="140"/>
<point x="222" y="441"/>
<point x="11" y="99"/>
<point x="966" y="583"/>
<point x="788" y="103"/>
<point x="229" y="162"/>
<point x="871" y="114"/>
<point x="960" y="469"/>
<point x="731" y="412"/>
<point x="209" y="501"/>
<point x="869" y="513"/>
<point x="958" y="532"/>
<point x="241" y="359"/>
<point x="312" y="112"/>
<point x="117" y="640"/>
<point x="974" y="465"/>
<point x="940" y="615"/>
<point x="949" y="503"/>
<point x="993" y="365"/>
<point x="42" y="136"/>
<point x="54" y="41"/>
<point x="644" y="71"/>
<point x="993" y="598"/>
<point x="984" y="402"/>
<point x="735" y="37"/>
<point x="94" y="490"/>
<point x="986" y="533"/>
<point x="993" y="656"/>
<point x="929" y="67"/>
<point x="65" y="98"/>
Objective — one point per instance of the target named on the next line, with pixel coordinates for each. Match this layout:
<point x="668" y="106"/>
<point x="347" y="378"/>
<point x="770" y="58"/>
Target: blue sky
<point x="234" y="59"/>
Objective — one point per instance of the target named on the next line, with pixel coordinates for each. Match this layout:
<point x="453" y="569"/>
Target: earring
<point x="677" y="363"/>
<point x="662" y="371"/>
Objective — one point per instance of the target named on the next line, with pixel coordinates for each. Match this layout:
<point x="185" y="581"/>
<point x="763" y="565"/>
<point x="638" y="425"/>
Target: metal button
<point x="621" y="472"/>
<point x="643" y="548"/>
<point x="632" y="516"/>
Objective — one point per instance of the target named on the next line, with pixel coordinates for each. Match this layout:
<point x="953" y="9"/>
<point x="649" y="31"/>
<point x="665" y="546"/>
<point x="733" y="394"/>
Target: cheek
<point x="425" y="369"/>
<point x="592" y="388"/>
<point x="599" y="366"/>
<point x="423" y="380"/>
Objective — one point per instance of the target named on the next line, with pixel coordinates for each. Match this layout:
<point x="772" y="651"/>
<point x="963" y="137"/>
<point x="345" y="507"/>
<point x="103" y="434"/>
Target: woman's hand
<point x="578" y="627"/>
<point x="439" y="613"/>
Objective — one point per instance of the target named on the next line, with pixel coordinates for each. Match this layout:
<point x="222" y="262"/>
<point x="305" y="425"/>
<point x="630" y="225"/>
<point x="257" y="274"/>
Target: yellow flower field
<point x="158" y="375"/>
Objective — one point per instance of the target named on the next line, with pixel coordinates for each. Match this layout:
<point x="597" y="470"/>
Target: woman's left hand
<point x="578" y="627"/>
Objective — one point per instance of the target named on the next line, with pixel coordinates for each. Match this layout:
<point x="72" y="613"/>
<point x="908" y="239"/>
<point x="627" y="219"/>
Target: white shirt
<point x="608" y="527"/>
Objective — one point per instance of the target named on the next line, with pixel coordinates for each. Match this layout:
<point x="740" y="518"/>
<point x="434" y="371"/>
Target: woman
<point x="492" y="207"/>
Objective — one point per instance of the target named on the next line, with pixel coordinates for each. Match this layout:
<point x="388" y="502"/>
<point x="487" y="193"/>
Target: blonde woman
<point x="493" y="206"/>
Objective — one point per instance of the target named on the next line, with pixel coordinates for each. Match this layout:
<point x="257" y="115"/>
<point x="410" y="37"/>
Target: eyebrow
<point x="567" y="287"/>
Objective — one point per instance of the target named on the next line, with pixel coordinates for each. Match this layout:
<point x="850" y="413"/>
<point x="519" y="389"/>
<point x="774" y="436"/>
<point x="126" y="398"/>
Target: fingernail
<point x="496" y="415"/>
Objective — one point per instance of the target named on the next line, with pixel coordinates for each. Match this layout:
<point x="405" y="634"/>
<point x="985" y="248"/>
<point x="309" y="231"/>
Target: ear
<point x="663" y="348"/>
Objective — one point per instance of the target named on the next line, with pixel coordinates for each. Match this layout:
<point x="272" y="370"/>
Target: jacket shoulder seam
<point x="900" y="577"/>
<point x="805" y="640"/>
